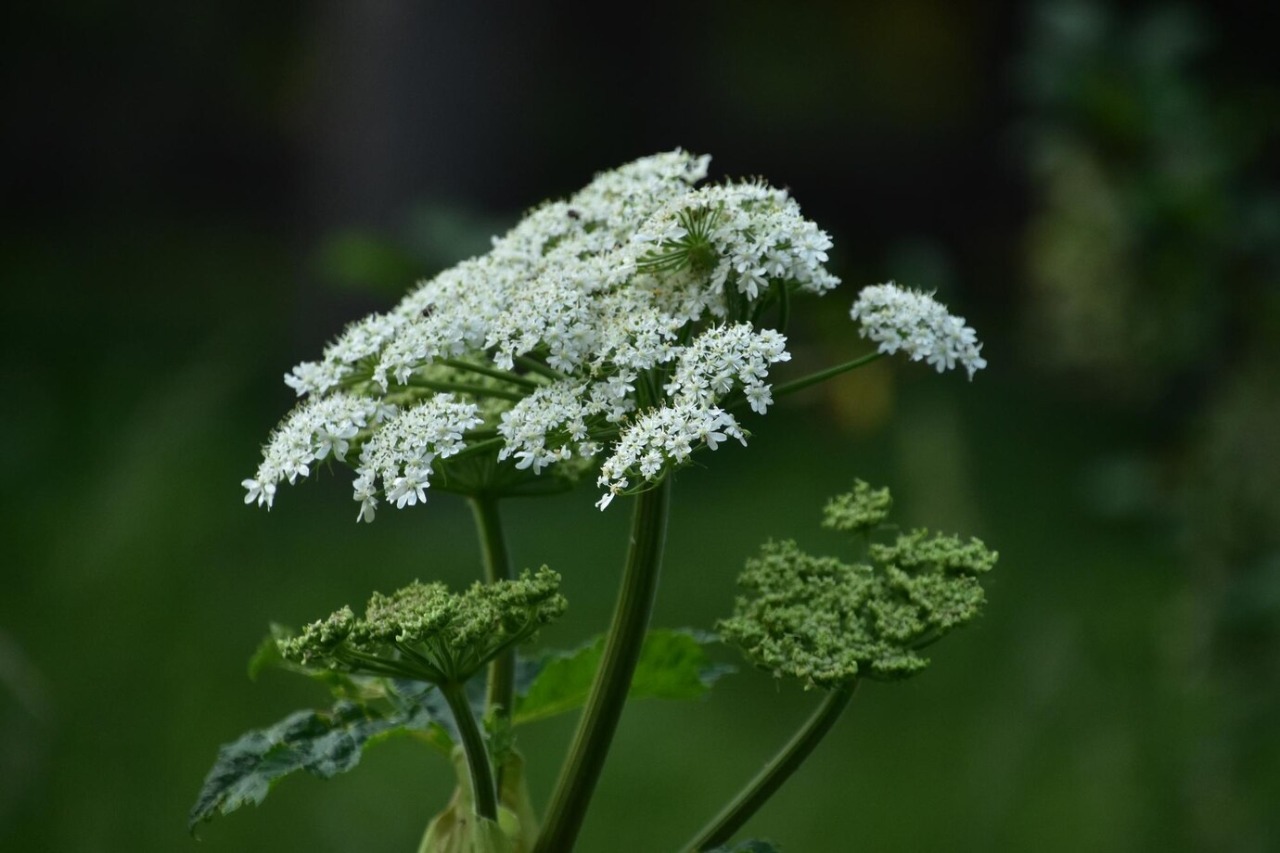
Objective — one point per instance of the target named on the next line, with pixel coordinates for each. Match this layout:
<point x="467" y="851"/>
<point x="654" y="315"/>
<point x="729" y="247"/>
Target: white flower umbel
<point x="621" y="323"/>
<point x="661" y="438"/>
<point x="917" y="324"/>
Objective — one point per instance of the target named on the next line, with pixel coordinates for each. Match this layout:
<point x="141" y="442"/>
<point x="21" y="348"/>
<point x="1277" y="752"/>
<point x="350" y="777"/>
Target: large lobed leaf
<point x="673" y="665"/>
<point x="323" y="743"/>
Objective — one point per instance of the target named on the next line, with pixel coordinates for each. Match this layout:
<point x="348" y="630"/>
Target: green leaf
<point x="323" y="743"/>
<point x="673" y="665"/>
<point x="752" y="846"/>
<point x="268" y="652"/>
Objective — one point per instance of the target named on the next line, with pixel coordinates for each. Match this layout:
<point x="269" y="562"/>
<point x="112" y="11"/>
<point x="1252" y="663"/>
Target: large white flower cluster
<point x="917" y="324"/>
<point x="621" y="322"/>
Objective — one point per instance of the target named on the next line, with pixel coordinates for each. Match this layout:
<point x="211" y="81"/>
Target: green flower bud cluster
<point x="826" y="622"/>
<point x="860" y="511"/>
<point x="426" y="633"/>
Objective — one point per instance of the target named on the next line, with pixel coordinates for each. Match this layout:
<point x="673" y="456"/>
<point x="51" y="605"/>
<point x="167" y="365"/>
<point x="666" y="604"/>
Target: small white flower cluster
<point x="401" y="453"/>
<point x="719" y="360"/>
<point x="711" y="366"/>
<point x="315" y="430"/>
<point x="664" y="437"/>
<point x="620" y="318"/>
<point x="916" y="323"/>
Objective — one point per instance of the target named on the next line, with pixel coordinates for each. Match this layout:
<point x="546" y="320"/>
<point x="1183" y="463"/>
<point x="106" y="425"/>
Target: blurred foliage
<point x="1154" y="268"/>
<point x="1154" y="244"/>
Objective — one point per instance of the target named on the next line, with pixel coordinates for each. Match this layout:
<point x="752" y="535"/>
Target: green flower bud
<point x="426" y="633"/>
<point x="862" y="510"/>
<point x="826" y="622"/>
<point x="319" y="639"/>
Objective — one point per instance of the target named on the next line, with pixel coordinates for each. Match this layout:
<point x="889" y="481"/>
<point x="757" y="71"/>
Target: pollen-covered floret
<point x="424" y="632"/>
<point x="827" y="622"/>
<point x="917" y="324"/>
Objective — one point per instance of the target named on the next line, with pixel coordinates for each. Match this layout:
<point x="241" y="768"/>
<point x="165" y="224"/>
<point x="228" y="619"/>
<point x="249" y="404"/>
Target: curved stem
<point x="482" y="787"/>
<point x="599" y="721"/>
<point x="777" y="771"/>
<point x="505" y="375"/>
<point x="373" y="665"/>
<point x="823" y="375"/>
<point x="534" y="366"/>
<point x="737" y="399"/>
<point x="429" y="669"/>
<point x="500" y="693"/>
<point x="462" y="388"/>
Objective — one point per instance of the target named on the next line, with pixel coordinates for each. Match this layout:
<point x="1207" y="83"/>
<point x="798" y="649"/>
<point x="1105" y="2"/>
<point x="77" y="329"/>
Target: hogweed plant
<point x="606" y="339"/>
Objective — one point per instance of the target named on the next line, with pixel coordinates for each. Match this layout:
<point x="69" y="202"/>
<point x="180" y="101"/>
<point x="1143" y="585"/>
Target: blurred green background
<point x="198" y="195"/>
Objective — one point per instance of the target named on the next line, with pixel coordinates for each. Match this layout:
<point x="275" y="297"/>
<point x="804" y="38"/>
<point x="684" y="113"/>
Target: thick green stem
<point x="822" y="375"/>
<point x="482" y="786"/>
<point x="500" y="694"/>
<point x="581" y="770"/>
<point x="777" y="771"/>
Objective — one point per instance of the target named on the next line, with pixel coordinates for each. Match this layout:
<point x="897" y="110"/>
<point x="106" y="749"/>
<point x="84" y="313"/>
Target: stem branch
<point x="823" y="375"/>
<point x="462" y="388"/>
<point x="500" y="694"/>
<point x="777" y="771"/>
<point x="505" y="375"/>
<point x="482" y="787"/>
<point x="534" y="366"/>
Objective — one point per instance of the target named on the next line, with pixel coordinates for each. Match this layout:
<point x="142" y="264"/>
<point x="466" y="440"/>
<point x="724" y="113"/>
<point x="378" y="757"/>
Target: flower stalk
<point x="767" y="782"/>
<point x="581" y="770"/>
<point x="500" y="692"/>
<point x="463" y="388"/>
<point x="482" y="783"/>
<point x="823" y="375"/>
<point x="503" y="375"/>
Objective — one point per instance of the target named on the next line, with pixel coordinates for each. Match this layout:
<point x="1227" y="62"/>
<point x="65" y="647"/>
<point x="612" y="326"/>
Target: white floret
<point x="899" y="319"/>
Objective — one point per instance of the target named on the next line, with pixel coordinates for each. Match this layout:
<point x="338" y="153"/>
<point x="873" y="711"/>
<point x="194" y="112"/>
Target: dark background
<point x="196" y="196"/>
